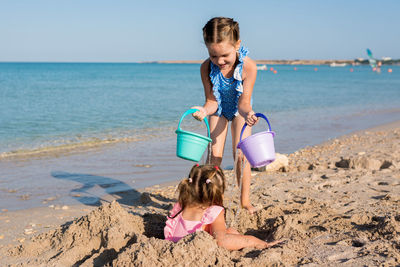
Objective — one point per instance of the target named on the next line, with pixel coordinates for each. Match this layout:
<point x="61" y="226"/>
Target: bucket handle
<point x="190" y="111"/>
<point x="258" y="115"/>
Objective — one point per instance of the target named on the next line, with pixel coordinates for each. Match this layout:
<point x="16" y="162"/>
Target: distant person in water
<point x="228" y="77"/>
<point x="200" y="208"/>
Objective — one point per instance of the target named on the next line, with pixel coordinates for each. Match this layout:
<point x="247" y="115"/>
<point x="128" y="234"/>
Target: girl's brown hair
<point x="221" y="29"/>
<point x="204" y="186"/>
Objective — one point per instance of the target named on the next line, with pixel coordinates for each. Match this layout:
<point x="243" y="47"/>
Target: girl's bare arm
<point x="249" y="78"/>
<point x="233" y="241"/>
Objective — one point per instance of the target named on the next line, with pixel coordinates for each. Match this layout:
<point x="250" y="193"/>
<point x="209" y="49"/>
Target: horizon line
<point x="258" y="61"/>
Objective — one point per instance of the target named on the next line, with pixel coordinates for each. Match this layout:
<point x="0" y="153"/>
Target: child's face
<point x="223" y="54"/>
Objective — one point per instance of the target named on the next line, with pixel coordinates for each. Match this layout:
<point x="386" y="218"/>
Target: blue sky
<point x="133" y="31"/>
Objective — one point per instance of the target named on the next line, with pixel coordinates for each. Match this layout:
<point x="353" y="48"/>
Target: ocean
<point x="92" y="129"/>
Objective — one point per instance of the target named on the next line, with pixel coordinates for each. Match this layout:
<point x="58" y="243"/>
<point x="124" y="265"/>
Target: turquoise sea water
<point x="44" y="105"/>
<point x="71" y="111"/>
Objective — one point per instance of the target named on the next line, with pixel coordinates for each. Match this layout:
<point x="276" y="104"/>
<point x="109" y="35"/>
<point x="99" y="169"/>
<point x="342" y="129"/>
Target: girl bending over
<point x="228" y="77"/>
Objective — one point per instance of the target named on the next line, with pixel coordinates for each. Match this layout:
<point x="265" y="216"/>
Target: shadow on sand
<point x="124" y="194"/>
<point x="118" y="190"/>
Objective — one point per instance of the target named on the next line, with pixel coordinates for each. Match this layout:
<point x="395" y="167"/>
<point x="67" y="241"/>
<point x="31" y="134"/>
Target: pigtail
<point x="185" y="192"/>
<point x="214" y="185"/>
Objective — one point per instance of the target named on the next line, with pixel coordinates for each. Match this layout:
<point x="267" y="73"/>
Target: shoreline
<point x="16" y="227"/>
<point x="94" y="143"/>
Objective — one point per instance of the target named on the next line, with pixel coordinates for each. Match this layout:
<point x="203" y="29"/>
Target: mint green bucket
<point x="191" y="146"/>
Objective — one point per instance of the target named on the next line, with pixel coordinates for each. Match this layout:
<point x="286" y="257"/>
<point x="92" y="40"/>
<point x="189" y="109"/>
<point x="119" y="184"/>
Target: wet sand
<point x="337" y="204"/>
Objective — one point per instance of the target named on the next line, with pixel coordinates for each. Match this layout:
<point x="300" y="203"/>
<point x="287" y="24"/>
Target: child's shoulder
<point x="215" y="208"/>
<point x="212" y="213"/>
<point x="249" y="64"/>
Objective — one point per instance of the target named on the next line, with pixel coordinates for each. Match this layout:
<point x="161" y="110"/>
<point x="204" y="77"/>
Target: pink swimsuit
<point x="178" y="227"/>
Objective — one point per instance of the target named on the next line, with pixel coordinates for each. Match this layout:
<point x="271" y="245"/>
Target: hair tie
<point x="216" y="167"/>
<point x="197" y="165"/>
<point x="190" y="180"/>
<point x="208" y="181"/>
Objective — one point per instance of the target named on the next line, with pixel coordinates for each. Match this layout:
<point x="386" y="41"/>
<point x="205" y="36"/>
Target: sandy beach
<point x="336" y="204"/>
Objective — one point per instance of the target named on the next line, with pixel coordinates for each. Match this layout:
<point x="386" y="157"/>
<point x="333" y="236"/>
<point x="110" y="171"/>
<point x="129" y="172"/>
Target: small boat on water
<point x="334" y="64"/>
<point x="262" y="67"/>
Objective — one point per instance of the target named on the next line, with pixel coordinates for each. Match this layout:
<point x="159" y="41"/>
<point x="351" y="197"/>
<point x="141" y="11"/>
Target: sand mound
<point x="199" y="249"/>
<point x="92" y="239"/>
<point x="194" y="250"/>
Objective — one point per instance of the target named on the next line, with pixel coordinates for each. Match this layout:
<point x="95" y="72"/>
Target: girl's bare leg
<point x="218" y="131"/>
<point x="236" y="128"/>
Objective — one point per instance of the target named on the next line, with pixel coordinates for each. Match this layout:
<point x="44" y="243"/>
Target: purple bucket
<point x="258" y="148"/>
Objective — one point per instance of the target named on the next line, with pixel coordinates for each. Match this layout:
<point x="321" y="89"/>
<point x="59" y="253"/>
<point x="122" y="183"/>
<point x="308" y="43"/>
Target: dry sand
<point x="337" y="204"/>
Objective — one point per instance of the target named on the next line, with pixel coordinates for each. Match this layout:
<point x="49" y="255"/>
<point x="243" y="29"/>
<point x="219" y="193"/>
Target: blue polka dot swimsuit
<point x="228" y="90"/>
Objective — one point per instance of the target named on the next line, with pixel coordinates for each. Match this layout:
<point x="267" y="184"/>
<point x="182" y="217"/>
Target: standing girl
<point x="228" y="77"/>
<point x="200" y="208"/>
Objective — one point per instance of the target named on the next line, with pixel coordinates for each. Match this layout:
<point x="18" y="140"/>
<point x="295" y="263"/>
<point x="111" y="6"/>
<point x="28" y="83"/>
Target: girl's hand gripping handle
<point x="251" y="118"/>
<point x="201" y="114"/>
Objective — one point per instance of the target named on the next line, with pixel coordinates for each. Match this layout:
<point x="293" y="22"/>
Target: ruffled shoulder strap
<point x="171" y="223"/>
<point x="176" y="208"/>
<point x="211" y="214"/>
<point x="237" y="74"/>
<point x="243" y="51"/>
